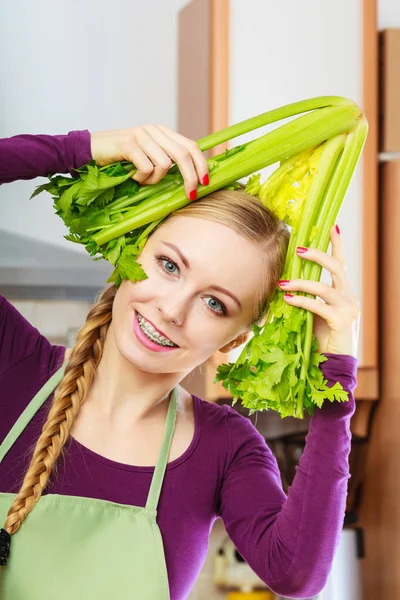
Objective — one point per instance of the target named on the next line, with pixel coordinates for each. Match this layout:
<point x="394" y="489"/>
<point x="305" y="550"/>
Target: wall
<point x="80" y="65"/>
<point x="388" y="13"/>
<point x="292" y="51"/>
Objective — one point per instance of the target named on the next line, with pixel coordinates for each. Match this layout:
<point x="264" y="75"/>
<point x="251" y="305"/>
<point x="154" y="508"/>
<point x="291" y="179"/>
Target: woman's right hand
<point x="152" y="149"/>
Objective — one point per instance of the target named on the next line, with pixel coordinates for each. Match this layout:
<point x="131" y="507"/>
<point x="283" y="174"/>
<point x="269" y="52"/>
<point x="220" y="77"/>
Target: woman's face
<point x="201" y="292"/>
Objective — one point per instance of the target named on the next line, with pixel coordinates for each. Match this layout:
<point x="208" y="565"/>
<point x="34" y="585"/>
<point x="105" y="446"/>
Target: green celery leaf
<point x="104" y="198"/>
<point x="115" y="170"/>
<point x="68" y="196"/>
<point x="115" y="278"/>
<point x="54" y="185"/>
<point x="280" y="360"/>
<point x="128" y="267"/>
<point x="84" y="168"/>
<point x="45" y="187"/>
<point x="129" y="188"/>
<point x="253" y="184"/>
<point x="94" y="182"/>
<point x="114" y="249"/>
<point x="336" y="392"/>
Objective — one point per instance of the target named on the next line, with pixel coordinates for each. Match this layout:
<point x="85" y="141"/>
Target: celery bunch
<point x="278" y="368"/>
<point x="113" y="216"/>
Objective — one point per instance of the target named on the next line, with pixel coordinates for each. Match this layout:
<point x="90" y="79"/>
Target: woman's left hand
<point x="337" y="318"/>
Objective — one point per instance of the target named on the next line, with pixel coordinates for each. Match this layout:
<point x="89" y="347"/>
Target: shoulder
<point x="229" y="429"/>
<point x="226" y="417"/>
<point x="18" y="337"/>
<point x="27" y="361"/>
<point x="23" y="349"/>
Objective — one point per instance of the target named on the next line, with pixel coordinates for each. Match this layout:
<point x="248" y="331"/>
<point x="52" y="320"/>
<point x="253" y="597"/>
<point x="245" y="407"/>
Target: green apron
<point x="83" y="548"/>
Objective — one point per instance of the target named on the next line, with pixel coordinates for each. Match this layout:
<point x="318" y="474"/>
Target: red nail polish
<point x="301" y="249"/>
<point x="193" y="195"/>
<point x="337" y="229"/>
<point x="206" y="180"/>
<point x="288" y="295"/>
<point x="284" y="281"/>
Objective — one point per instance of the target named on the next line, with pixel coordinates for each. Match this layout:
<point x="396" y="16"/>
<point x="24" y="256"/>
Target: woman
<point x="119" y="410"/>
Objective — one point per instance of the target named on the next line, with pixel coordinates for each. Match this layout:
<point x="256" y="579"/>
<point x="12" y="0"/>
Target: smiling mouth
<point x="153" y="334"/>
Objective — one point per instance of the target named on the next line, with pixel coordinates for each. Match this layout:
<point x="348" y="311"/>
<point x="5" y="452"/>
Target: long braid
<point x="68" y="399"/>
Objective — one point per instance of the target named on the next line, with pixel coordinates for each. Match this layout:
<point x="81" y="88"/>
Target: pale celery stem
<point x="330" y="209"/>
<point x="152" y="201"/>
<point x="271" y="116"/>
<point x="313" y="202"/>
<point x="305" y="131"/>
<point x="144" y="192"/>
<point x="148" y="230"/>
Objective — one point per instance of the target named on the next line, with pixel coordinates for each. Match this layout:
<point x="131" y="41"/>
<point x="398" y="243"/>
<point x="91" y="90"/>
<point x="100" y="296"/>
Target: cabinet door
<point x="262" y="54"/>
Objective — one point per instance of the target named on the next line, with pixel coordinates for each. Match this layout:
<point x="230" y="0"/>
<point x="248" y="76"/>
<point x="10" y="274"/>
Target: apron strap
<point x="30" y="411"/>
<point x="159" y="471"/>
<point x="49" y="387"/>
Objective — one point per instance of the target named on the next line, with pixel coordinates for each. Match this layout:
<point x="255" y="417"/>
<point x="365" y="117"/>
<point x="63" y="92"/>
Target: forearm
<point x="30" y="156"/>
<point x="302" y="541"/>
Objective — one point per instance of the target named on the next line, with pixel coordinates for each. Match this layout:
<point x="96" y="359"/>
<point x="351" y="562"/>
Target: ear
<point x="238" y="341"/>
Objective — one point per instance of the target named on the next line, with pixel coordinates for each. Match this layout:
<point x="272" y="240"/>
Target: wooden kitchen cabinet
<point x="380" y="506"/>
<point x="239" y="59"/>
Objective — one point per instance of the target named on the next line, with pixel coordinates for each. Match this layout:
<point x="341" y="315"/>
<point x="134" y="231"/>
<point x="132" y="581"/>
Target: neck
<point x="124" y="393"/>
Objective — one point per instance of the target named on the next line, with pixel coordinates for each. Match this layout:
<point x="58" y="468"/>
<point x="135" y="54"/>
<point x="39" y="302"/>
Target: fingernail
<point x="337" y="229"/>
<point x="288" y="295"/>
<point x="284" y="281"/>
<point x="301" y="249"/>
<point x="206" y="180"/>
<point x="193" y="195"/>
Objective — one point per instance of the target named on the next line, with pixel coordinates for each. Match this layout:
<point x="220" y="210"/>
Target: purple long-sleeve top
<point x="228" y="471"/>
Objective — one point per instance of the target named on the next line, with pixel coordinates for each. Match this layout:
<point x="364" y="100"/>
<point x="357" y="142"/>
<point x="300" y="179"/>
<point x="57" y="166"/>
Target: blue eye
<point x="168" y="265"/>
<point x="216" y="306"/>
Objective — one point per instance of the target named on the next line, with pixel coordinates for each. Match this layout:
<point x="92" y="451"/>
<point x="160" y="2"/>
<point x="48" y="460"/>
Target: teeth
<point x="152" y="334"/>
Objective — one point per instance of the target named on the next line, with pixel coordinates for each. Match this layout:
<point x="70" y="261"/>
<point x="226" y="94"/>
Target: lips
<point x="156" y="328"/>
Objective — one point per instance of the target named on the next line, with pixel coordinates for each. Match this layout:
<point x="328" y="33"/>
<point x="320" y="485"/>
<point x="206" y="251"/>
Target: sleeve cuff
<point x="80" y="150"/>
<point x="343" y="369"/>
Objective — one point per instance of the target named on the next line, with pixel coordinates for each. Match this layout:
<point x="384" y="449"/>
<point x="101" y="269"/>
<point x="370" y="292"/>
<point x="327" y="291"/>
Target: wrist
<point x="106" y="147"/>
<point x="94" y="146"/>
<point x="79" y="148"/>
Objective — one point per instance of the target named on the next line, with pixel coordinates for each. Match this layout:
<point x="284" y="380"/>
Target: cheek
<point x="139" y="291"/>
<point x="207" y="334"/>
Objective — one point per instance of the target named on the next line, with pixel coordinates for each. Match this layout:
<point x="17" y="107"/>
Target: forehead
<point x="216" y="253"/>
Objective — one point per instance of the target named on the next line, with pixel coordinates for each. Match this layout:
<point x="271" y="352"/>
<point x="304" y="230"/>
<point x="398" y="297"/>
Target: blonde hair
<point x="234" y="208"/>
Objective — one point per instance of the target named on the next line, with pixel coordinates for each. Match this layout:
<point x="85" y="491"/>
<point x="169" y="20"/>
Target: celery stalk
<point x="286" y="340"/>
<point x="334" y="196"/>
<point x="291" y="138"/>
<point x="269" y="117"/>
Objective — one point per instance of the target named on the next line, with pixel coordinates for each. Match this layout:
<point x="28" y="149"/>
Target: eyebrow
<point x="187" y="265"/>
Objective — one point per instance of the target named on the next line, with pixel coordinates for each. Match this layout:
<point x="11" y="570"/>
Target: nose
<point x="172" y="310"/>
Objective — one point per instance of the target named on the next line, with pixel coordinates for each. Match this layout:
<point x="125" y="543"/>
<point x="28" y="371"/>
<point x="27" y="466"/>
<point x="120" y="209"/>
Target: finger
<point x="330" y="263"/>
<point x="142" y="163"/>
<point x="199" y="160"/>
<point x="161" y="161"/>
<point x="344" y="315"/>
<point x="324" y="291"/>
<point x="337" y="244"/>
<point x="181" y="157"/>
<point x="317" y="307"/>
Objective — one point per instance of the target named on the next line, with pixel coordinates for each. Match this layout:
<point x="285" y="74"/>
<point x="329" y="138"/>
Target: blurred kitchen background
<point x="197" y="66"/>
